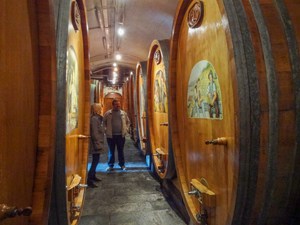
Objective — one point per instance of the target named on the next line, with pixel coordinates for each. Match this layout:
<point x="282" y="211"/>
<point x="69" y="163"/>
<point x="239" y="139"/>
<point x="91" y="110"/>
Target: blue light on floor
<point x="130" y="167"/>
<point x="148" y="160"/>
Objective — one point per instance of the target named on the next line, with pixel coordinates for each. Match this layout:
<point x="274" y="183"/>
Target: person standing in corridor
<point x="116" y="123"/>
<point x="97" y="142"/>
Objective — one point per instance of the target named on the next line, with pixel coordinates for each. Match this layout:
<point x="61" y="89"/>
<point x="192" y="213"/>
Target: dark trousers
<point x="95" y="161"/>
<point x="119" y="141"/>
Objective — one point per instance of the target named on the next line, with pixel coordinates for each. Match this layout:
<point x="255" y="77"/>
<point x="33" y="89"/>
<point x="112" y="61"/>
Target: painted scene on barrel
<point x="204" y="99"/>
<point x="72" y="81"/>
<point x="160" y="92"/>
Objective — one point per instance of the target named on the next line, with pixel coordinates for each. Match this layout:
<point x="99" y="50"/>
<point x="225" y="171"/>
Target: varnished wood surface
<point x="131" y="113"/>
<point x="159" y="134"/>
<point x="76" y="147"/>
<point x="27" y="93"/>
<point x="141" y="103"/>
<point x="248" y="47"/>
<point x="128" y="105"/>
<point x="47" y="114"/>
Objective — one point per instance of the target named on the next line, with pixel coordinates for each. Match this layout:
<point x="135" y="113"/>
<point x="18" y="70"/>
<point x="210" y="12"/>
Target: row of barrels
<point x="224" y="103"/>
<point x="220" y="102"/>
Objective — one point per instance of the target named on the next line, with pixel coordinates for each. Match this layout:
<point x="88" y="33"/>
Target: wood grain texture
<point x="28" y="86"/>
<point x="141" y="104"/>
<point x="249" y="45"/>
<point x="157" y="110"/>
<point x="76" y="147"/>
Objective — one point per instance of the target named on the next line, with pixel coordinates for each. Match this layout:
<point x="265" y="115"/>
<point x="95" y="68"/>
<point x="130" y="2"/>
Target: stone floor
<point x="131" y="197"/>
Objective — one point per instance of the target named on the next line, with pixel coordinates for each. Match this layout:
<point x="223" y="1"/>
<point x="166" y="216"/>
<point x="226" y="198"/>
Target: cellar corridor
<point x="131" y="197"/>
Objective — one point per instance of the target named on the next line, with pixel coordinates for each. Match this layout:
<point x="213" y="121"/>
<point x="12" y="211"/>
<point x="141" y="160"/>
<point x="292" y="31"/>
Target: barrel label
<point x="160" y="92"/>
<point x="195" y="15"/>
<point x="204" y="99"/>
<point x="75" y="16"/>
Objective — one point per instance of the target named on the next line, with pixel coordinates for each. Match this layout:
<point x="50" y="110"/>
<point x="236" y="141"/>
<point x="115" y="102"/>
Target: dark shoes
<point x="91" y="184"/>
<point x="123" y="168"/>
<point x="108" y="169"/>
<point x="96" y="179"/>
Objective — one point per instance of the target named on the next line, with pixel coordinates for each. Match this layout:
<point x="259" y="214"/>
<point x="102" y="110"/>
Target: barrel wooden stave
<point x="141" y="105"/>
<point x="242" y="185"/>
<point x="158" y="108"/>
<point x="71" y="140"/>
<point x="27" y="109"/>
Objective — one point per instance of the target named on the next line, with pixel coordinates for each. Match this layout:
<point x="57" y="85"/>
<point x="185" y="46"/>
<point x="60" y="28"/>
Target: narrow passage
<point x="131" y="197"/>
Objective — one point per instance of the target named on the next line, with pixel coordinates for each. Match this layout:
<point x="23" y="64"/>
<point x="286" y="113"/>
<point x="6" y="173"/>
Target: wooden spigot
<point x="217" y="141"/>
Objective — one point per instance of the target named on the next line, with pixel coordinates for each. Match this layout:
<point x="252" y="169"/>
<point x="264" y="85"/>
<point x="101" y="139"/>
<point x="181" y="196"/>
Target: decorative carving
<point x="75" y="15"/>
<point x="157" y="57"/>
<point x="195" y="15"/>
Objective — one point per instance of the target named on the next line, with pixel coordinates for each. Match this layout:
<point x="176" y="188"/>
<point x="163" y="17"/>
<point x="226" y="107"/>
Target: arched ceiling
<point x="142" y="21"/>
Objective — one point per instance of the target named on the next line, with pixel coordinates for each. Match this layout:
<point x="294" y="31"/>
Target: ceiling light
<point x="114" y="64"/>
<point x="116" y="69"/>
<point x="118" y="56"/>
<point x="121" y="31"/>
<point x="131" y="72"/>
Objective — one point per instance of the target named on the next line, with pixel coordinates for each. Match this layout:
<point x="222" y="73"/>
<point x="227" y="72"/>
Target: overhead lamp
<point x="118" y="56"/>
<point x="114" y="64"/>
<point x="116" y="69"/>
<point x="121" y="31"/>
<point x="131" y="73"/>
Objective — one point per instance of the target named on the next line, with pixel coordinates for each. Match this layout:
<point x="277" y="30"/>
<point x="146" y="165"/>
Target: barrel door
<point x="235" y="110"/>
<point x="27" y="111"/>
<point x="141" y="98"/>
<point x="158" y="100"/>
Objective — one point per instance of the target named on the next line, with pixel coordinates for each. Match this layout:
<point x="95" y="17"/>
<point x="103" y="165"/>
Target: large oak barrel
<point x="141" y="105"/>
<point x="27" y="111"/>
<point x="235" y="100"/>
<point x="128" y="105"/>
<point x="73" y="110"/>
<point x="158" y="109"/>
<point x="109" y="98"/>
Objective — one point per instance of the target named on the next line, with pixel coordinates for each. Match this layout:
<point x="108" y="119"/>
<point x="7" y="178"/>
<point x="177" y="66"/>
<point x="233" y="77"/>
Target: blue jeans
<point x="112" y="142"/>
<point x="92" y="171"/>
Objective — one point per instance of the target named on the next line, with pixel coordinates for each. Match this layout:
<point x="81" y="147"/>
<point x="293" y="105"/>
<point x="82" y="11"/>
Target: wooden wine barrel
<point x="158" y="116"/>
<point x="27" y="111"/>
<point x="141" y="105"/>
<point x="108" y="100"/>
<point x="128" y="106"/>
<point x="234" y="108"/>
<point x="73" y="111"/>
